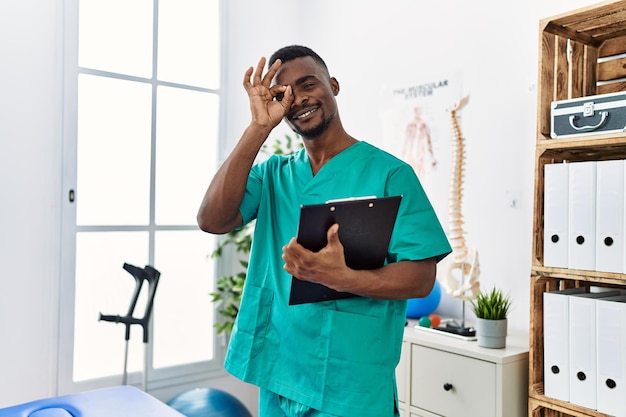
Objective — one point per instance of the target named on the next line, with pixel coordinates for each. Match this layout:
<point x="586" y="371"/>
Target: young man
<point x="332" y="358"/>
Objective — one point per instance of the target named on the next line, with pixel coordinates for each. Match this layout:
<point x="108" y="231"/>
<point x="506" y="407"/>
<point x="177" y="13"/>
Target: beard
<point x="315" y="131"/>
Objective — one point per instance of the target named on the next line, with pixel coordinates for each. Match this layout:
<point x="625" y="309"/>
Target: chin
<point x="313" y="132"/>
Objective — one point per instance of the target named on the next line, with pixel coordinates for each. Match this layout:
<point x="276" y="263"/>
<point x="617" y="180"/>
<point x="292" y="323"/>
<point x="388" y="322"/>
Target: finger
<point x="246" y="79"/>
<point x="286" y="250"/>
<point x="288" y="98"/>
<point x="290" y="255"/>
<point x="295" y="252"/>
<point x="285" y="258"/>
<point x="278" y="92"/>
<point x="259" y="71"/>
<point x="331" y="235"/>
<point x="291" y="248"/>
<point x="267" y="79"/>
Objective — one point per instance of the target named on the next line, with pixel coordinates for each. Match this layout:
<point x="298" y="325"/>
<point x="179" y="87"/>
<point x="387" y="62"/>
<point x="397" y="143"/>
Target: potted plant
<point x="229" y="288"/>
<point x="491" y="310"/>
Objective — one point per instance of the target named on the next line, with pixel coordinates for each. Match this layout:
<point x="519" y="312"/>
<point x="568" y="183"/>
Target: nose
<point x="299" y="99"/>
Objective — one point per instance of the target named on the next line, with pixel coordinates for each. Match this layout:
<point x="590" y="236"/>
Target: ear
<point x="334" y="84"/>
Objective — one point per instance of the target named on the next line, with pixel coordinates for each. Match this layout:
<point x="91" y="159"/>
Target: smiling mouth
<point x="305" y="114"/>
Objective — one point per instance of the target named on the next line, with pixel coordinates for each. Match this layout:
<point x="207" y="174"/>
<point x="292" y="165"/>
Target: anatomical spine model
<point x="463" y="261"/>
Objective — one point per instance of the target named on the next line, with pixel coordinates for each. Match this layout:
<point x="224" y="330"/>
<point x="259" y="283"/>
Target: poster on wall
<point x="417" y="128"/>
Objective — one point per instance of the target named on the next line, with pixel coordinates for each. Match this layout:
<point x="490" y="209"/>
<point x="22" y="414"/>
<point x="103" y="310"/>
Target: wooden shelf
<point x="581" y="53"/>
<point x="538" y="402"/>
<point x="587" y="148"/>
<point x="592" y="25"/>
<point x="541" y="406"/>
<point x="589" y="277"/>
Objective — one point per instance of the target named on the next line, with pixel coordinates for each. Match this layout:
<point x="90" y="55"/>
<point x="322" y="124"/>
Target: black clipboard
<point x="365" y="227"/>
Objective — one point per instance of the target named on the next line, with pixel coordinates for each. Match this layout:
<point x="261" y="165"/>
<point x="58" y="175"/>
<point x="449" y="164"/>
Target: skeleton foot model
<point x="463" y="261"/>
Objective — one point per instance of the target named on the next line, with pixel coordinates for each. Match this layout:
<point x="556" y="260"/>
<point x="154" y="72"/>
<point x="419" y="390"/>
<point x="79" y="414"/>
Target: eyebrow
<point x="304" y="79"/>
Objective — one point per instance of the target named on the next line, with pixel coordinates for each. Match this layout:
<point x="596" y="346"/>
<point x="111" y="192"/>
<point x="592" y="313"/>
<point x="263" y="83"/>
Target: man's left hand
<point x="325" y="267"/>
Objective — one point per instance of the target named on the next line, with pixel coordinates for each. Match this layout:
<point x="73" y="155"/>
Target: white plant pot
<point x="491" y="333"/>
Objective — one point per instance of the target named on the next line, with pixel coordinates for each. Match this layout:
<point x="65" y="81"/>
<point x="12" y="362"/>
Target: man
<point x="332" y="358"/>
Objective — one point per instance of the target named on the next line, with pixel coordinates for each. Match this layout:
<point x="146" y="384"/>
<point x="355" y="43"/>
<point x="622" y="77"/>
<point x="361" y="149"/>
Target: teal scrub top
<point x="337" y="356"/>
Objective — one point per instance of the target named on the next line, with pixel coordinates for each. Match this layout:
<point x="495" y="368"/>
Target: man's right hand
<point x="267" y="110"/>
<point x="219" y="210"/>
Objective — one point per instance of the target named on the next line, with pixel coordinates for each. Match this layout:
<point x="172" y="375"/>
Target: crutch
<point x="140" y="275"/>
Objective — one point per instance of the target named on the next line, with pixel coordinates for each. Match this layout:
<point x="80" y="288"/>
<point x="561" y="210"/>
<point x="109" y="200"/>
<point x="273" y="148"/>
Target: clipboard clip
<point x="340" y="200"/>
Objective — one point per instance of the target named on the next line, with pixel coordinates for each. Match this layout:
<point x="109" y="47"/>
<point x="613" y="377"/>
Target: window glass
<point x="183" y="313"/>
<point x="103" y="286"/>
<point x="114" y="124"/>
<point x="116" y="36"/>
<point x="189" y="42"/>
<point x="139" y="151"/>
<point x="186" y="141"/>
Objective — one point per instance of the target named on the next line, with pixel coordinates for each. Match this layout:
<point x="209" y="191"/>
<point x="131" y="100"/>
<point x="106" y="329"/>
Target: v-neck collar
<point x="331" y="165"/>
<point x="311" y="187"/>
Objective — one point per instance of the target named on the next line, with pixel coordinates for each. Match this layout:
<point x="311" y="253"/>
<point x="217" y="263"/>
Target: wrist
<point x="260" y="129"/>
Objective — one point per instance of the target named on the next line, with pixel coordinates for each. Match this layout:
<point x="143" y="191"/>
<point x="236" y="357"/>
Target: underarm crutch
<point x="140" y="274"/>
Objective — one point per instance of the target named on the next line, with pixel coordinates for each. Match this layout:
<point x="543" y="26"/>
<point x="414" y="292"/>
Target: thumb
<point x="332" y="234"/>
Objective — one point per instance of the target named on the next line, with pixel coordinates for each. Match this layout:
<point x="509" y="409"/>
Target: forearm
<point x="219" y="210"/>
<point x="396" y="281"/>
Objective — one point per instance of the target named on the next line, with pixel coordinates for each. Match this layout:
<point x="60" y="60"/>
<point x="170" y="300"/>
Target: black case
<point x="585" y="116"/>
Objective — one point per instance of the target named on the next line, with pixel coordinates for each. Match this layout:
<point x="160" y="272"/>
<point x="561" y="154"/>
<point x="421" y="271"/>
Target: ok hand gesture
<point x="266" y="111"/>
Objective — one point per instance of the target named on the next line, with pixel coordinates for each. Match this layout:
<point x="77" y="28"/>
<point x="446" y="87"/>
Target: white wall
<point x="493" y="45"/>
<point x="255" y="29"/>
<point x="30" y="185"/>
<point x="366" y="44"/>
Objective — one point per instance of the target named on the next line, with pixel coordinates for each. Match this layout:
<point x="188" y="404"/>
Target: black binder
<point x="365" y="227"/>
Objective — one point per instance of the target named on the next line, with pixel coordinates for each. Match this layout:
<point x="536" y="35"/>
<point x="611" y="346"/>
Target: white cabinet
<point x="439" y="375"/>
<point x="402" y="378"/>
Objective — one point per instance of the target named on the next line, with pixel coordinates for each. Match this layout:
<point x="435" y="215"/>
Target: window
<point x="141" y="136"/>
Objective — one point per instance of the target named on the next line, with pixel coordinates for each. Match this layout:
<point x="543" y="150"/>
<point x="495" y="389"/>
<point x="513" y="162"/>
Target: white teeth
<point x="302" y="116"/>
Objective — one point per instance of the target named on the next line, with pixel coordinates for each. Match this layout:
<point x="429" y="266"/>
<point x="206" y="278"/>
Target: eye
<point x="308" y="86"/>
<point x="279" y="96"/>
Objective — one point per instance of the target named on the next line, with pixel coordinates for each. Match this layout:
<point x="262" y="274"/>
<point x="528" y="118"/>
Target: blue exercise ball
<point x="208" y="402"/>
<point x="420" y="307"/>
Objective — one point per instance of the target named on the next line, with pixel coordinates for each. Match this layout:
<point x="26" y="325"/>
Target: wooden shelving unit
<point x="581" y="53"/>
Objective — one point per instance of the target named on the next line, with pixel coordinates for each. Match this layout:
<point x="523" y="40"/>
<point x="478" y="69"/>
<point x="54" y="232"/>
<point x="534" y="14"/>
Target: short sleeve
<point x="250" y="204"/>
<point x="418" y="233"/>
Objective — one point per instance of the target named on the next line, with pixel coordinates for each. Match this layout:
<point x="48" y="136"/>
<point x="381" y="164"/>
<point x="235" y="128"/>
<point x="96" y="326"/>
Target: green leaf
<point x="492" y="305"/>
<point x="229" y="289"/>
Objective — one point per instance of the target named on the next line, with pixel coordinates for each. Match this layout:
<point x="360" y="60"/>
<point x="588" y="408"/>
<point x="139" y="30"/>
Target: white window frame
<point x="156" y="378"/>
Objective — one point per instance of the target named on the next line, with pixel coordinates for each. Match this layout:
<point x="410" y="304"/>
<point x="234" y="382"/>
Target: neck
<point x="323" y="149"/>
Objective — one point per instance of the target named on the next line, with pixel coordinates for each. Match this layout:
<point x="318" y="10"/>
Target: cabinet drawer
<point x="470" y="383"/>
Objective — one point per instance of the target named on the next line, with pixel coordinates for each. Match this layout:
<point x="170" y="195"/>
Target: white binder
<point x="582" y="347"/>
<point x="582" y="215"/>
<point x="610" y="215"/>
<point x="555" y="343"/>
<point x="555" y="215"/>
<point x="611" y="354"/>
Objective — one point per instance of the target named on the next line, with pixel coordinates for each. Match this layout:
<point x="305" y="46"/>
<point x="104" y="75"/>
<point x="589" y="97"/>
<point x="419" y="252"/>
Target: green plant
<point x="229" y="288"/>
<point x="492" y="305"/>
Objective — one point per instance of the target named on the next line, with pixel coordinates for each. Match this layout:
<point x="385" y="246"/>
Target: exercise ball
<point x="420" y="307"/>
<point x="208" y="402"/>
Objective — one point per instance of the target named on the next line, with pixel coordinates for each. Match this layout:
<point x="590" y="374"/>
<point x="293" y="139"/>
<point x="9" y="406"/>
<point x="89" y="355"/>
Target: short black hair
<point x="288" y="53"/>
